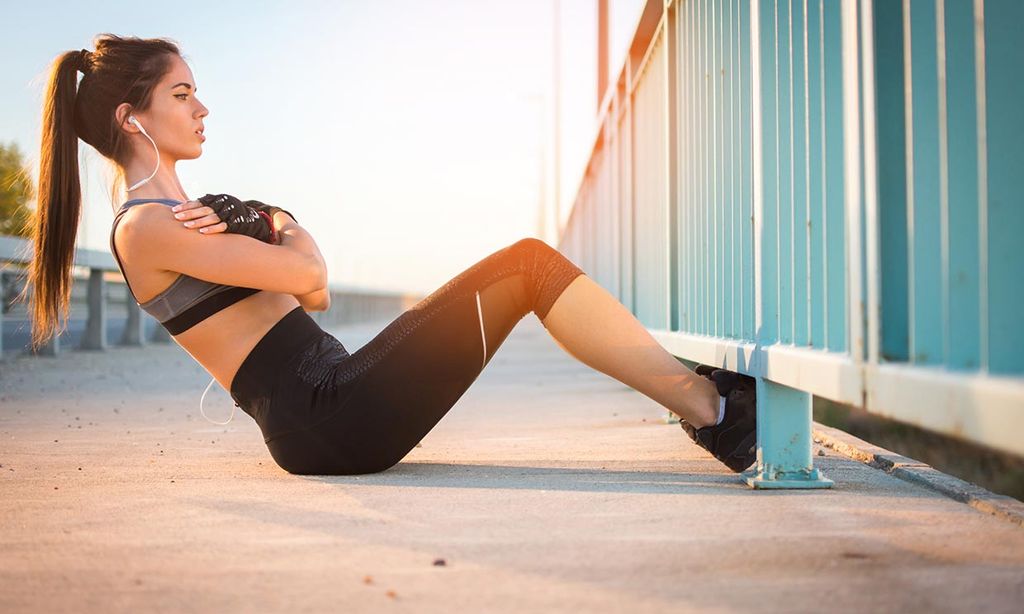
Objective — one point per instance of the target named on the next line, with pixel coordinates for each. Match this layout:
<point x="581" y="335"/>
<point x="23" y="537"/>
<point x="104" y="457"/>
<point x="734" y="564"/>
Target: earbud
<point x="132" y="120"/>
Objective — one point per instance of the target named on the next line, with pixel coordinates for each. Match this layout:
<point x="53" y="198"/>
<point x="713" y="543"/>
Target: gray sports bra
<point x="188" y="300"/>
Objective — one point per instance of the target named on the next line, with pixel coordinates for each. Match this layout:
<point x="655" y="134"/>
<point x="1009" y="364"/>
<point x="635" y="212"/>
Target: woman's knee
<point x="531" y="244"/>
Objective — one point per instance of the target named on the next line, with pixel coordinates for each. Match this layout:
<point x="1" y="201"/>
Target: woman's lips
<point x="201" y="136"/>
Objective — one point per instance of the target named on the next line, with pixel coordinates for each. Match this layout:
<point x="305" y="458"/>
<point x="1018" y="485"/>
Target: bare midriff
<point x="221" y="342"/>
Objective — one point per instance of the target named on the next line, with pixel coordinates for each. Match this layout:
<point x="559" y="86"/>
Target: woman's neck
<point x="164" y="184"/>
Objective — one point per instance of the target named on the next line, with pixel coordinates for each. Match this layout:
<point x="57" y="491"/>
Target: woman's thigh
<point x="378" y="403"/>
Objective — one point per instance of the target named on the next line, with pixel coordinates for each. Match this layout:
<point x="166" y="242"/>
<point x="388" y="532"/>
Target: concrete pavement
<point x="548" y="487"/>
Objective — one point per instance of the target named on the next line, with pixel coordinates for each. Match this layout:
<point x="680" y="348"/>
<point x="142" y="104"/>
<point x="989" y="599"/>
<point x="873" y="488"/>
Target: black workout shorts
<point x="327" y="412"/>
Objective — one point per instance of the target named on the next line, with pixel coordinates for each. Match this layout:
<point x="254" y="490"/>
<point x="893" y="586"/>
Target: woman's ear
<point x="121" y="114"/>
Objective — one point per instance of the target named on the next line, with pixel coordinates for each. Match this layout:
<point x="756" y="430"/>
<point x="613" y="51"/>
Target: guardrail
<point x="104" y="289"/>
<point x="823" y="195"/>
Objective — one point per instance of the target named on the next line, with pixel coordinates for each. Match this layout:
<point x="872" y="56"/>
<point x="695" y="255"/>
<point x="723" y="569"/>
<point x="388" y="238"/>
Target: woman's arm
<point x="315" y="301"/>
<point x="290" y="235"/>
<point x="296" y="237"/>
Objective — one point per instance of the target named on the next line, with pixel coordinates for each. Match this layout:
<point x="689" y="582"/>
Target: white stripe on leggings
<point x="483" y="337"/>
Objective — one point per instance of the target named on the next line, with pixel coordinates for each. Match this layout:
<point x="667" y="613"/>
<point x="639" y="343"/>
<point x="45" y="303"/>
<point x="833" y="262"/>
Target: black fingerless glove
<point x="240" y="218"/>
<point x="268" y="209"/>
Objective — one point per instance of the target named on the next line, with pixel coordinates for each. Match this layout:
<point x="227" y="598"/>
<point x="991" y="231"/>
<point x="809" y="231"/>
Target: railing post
<point x="784" y="450"/>
<point x="784" y="418"/>
<point x="133" y="327"/>
<point x="95" y="337"/>
<point x="50" y="348"/>
<point x="3" y="309"/>
<point x="160" y="335"/>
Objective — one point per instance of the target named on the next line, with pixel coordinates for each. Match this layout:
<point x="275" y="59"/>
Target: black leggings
<point x="324" y="411"/>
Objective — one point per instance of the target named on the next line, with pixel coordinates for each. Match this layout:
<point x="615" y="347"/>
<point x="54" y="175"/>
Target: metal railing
<point x="99" y="297"/>
<point x="822" y="194"/>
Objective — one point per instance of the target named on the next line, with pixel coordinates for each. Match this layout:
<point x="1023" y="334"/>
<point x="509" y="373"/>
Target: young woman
<point x="232" y="282"/>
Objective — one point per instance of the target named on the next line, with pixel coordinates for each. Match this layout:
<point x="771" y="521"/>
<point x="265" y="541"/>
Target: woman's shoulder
<point x="139" y="221"/>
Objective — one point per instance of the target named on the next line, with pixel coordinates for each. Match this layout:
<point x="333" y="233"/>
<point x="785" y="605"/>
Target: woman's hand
<point x="195" y="215"/>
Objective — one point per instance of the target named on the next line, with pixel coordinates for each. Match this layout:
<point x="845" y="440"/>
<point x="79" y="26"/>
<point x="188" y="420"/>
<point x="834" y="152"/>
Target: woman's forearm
<point x="296" y="238"/>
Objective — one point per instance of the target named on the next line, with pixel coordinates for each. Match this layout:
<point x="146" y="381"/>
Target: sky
<point x="410" y="138"/>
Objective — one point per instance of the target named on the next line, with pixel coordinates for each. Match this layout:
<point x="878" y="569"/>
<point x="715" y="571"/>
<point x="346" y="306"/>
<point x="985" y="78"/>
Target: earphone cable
<point x="204" y="413"/>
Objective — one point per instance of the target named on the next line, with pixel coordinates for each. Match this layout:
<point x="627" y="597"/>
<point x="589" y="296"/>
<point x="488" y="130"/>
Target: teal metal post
<point x="784" y="450"/>
<point x="784" y="454"/>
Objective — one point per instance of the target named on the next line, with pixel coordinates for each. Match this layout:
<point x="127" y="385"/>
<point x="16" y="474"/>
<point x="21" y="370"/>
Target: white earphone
<point x="132" y="120"/>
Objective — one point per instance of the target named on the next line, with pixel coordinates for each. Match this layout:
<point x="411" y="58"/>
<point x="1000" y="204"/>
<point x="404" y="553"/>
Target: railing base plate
<point x="810" y="479"/>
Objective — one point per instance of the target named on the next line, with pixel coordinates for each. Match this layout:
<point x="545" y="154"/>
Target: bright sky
<point x="406" y="136"/>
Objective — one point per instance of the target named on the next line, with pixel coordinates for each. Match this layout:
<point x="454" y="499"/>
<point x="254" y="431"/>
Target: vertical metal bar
<point x="798" y="126"/>
<point x="669" y="76"/>
<point x="979" y="70"/>
<point x="815" y="177"/>
<point x="684" y="157"/>
<point x="940" y="66"/>
<point x="693" y="160"/>
<point x="757" y="167"/>
<point x="852" y="179"/>
<point x="684" y="163"/>
<point x="710" y="119"/>
<point x="835" y="143"/>
<point x="719" y="125"/>
<point x="826" y="341"/>
<point x="1004" y="90"/>
<point x="870" y="149"/>
<point x="733" y="207"/>
<point x="790" y="201"/>
<point x="777" y="181"/>
<point x="736" y="235"/>
<point x="714" y="119"/>
<point x="908" y="105"/>
<point x="720" y="172"/>
<point x="961" y="167"/>
<point x="808" y="199"/>
<point x="706" y="277"/>
<point x="746" y="115"/>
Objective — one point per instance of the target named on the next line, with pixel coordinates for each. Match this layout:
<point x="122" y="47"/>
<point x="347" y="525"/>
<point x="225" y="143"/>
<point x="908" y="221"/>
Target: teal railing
<point x="822" y="194"/>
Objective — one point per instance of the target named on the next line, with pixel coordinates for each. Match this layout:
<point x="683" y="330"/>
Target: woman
<point x="232" y="282"/>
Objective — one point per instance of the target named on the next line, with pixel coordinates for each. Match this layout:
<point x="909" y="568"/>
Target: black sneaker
<point x="734" y="441"/>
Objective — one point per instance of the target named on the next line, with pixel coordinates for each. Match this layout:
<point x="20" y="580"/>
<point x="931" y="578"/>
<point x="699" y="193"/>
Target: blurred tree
<point x="15" y="192"/>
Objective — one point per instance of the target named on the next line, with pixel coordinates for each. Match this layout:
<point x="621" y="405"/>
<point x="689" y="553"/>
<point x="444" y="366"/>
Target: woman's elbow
<point x="317" y="276"/>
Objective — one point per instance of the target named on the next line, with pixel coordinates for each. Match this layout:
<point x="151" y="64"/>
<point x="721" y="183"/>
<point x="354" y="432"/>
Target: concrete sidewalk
<point x="548" y="487"/>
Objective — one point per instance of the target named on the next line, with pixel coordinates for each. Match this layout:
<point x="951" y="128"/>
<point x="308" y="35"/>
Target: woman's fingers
<point x="196" y="216"/>
<point x="189" y="210"/>
<point x="218" y="227"/>
<point x="186" y="206"/>
<point x="207" y="224"/>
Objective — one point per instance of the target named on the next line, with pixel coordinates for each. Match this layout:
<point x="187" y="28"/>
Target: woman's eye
<point x="177" y="95"/>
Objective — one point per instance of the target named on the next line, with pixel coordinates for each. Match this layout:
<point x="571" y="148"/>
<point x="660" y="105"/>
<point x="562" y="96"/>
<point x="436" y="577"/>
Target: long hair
<point x="121" y="69"/>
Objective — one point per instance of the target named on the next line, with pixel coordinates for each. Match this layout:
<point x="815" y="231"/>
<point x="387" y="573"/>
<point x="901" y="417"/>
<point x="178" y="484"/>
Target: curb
<point x="916" y="472"/>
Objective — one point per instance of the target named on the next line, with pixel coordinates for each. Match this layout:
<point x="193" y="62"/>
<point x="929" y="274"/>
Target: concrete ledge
<point x="910" y="470"/>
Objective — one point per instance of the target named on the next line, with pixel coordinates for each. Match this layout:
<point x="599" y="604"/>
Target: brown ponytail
<point x="122" y="69"/>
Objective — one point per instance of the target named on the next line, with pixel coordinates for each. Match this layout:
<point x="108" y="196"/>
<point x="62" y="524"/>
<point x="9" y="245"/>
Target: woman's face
<point x="174" y="118"/>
